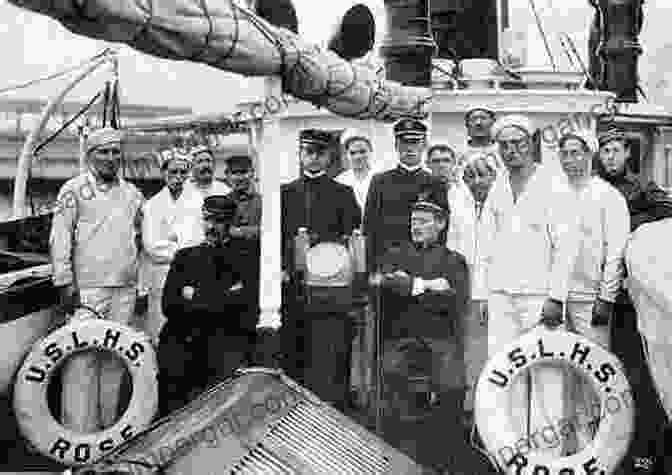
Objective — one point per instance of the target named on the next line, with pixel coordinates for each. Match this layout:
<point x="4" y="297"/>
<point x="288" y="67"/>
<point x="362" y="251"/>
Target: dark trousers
<point x="190" y="364"/>
<point x="317" y="351"/>
<point x="649" y="415"/>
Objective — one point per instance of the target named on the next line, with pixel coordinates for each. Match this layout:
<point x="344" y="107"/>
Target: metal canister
<point x="301" y="246"/>
<point x="358" y="251"/>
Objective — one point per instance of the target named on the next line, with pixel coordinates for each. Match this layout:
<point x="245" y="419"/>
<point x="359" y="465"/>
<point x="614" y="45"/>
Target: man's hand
<point x="602" y="312"/>
<point x="438" y="285"/>
<point x="376" y="280"/>
<point x="551" y="314"/>
<point x="69" y="298"/>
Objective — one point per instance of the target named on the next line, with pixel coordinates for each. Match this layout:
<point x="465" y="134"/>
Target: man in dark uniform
<point x="316" y="342"/>
<point x="647" y="202"/>
<point x="211" y="301"/>
<point x="392" y="192"/>
<point x="239" y="174"/>
<point x="425" y="291"/>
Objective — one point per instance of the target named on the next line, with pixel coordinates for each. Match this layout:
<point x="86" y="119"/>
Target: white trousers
<point x="475" y="338"/>
<point x="583" y="402"/>
<point x="155" y="319"/>
<point x="659" y="358"/>
<point x="534" y="404"/>
<point x="91" y="381"/>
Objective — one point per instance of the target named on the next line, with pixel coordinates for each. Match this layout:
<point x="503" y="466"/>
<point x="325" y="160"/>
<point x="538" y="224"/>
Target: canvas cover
<point x="229" y="37"/>
<point x="649" y="281"/>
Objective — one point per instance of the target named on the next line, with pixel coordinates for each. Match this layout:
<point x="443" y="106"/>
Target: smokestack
<point x="408" y="46"/>
<point x="621" y="49"/>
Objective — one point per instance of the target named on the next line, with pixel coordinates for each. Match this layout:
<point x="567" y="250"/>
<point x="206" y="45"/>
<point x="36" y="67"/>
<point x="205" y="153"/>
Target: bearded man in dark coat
<point x="317" y="341"/>
<point x="391" y="193"/>
<point x="211" y="303"/>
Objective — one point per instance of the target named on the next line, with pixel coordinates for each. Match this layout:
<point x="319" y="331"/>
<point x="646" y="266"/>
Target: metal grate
<point x="260" y="461"/>
<point x="323" y="442"/>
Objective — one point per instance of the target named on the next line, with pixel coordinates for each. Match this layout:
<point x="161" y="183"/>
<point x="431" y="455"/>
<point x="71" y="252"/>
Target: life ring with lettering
<point x="35" y="420"/>
<point x="515" y="453"/>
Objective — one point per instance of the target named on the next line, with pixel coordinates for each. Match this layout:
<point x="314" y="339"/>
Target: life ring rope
<point x="607" y="377"/>
<point x="33" y="415"/>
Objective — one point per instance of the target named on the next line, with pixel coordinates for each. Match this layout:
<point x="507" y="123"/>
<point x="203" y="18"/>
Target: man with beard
<point x="646" y="203"/>
<point x="528" y="272"/>
<point x="211" y="303"/>
<point x="425" y="292"/>
<point x="317" y="338"/>
<point x="94" y="250"/>
<point x="391" y="194"/>
<point x="201" y="185"/>
<point x="239" y="173"/>
<point x="602" y="226"/>
<point x="162" y="226"/>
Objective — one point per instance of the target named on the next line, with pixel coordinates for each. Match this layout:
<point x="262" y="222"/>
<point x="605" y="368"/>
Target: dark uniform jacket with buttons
<point x="388" y="207"/>
<point x="430" y="314"/>
<point x="225" y="283"/>
<point x="327" y="208"/>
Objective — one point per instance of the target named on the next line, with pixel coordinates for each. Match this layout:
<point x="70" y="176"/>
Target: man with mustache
<point x="602" y="226"/>
<point x="391" y="194"/>
<point x="211" y="303"/>
<point x="647" y="202"/>
<point x="479" y="122"/>
<point x="94" y="250"/>
<point x="317" y="337"/>
<point x="472" y="229"/>
<point x="201" y="185"/>
<point x="163" y="219"/>
<point x="425" y="292"/>
<point x="239" y="174"/>
<point x="528" y="271"/>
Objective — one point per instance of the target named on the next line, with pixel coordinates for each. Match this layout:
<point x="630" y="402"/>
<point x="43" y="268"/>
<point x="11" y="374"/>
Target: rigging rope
<point x="50" y="77"/>
<point x="543" y="34"/>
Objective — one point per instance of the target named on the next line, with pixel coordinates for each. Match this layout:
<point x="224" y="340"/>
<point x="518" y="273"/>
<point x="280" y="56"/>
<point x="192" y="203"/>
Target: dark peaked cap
<point x="239" y="161"/>
<point x="426" y="204"/>
<point x="315" y="137"/>
<point x="410" y="129"/>
<point x="219" y="207"/>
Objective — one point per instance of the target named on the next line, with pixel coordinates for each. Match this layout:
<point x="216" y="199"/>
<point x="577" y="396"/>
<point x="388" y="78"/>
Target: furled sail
<point x="224" y="35"/>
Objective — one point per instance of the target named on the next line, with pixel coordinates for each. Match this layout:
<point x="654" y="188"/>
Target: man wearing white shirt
<point x="602" y="226"/>
<point x="163" y="220"/>
<point x="358" y="150"/>
<point x="472" y="229"/>
<point x="528" y="274"/>
<point x="201" y="185"/>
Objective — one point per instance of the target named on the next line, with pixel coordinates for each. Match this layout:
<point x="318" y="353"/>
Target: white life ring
<point x="599" y="366"/>
<point x="35" y="420"/>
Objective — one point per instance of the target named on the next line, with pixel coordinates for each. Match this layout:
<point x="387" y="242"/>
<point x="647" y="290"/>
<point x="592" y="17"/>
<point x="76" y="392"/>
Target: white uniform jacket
<point x="603" y="227"/>
<point x="471" y="233"/>
<point x="533" y="249"/>
<point x="95" y="233"/>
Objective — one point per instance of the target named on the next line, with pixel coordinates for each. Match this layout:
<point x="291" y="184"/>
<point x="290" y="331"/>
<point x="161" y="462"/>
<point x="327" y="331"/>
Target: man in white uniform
<point x="602" y="226"/>
<point x="162" y="233"/>
<point x="472" y="229"/>
<point x="528" y="273"/>
<point x="94" y="250"/>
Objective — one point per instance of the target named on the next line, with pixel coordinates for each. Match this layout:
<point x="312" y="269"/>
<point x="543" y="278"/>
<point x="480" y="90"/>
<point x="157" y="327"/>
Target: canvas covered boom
<point x="229" y="37"/>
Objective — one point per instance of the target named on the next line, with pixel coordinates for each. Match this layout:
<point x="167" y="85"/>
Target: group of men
<point x="466" y="250"/>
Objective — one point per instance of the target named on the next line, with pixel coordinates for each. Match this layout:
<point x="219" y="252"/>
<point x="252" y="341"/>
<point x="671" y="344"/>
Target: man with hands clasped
<point x="211" y="302"/>
<point x="601" y="227"/>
